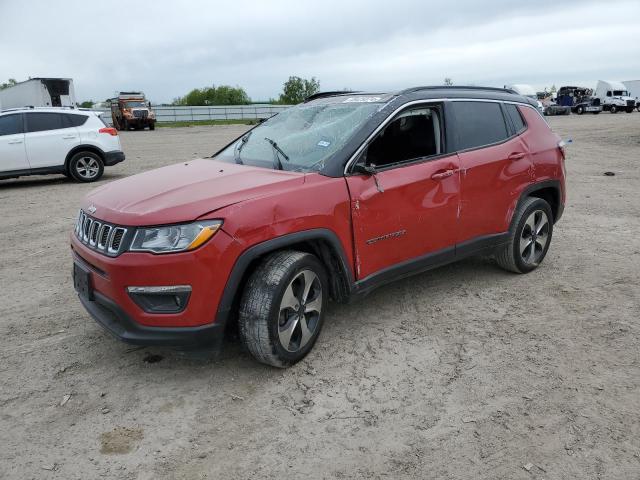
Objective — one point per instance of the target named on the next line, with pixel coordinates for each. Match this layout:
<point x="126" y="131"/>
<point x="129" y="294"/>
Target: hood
<point x="183" y="192"/>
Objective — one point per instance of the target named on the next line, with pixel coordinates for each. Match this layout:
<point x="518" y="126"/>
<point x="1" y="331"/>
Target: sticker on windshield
<point x="362" y="99"/>
<point x="323" y="143"/>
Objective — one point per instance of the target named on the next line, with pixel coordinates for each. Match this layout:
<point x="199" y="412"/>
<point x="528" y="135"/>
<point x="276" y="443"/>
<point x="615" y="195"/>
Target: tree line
<point x="294" y="91"/>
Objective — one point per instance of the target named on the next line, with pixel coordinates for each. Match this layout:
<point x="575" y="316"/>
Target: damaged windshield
<point x="303" y="137"/>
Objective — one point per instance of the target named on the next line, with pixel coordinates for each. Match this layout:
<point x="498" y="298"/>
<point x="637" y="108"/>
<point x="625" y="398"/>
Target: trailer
<point x="633" y="86"/>
<point x="39" y="92"/>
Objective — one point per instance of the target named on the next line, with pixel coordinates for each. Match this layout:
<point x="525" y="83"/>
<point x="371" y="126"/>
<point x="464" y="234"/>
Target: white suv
<point x="76" y="143"/>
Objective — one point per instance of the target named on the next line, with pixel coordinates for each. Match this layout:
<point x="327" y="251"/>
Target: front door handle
<point x="516" y="156"/>
<point x="14" y="142"/>
<point x="441" y="175"/>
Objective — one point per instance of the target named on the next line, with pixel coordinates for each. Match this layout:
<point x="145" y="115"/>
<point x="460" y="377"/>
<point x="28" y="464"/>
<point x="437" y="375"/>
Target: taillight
<point x="111" y="131"/>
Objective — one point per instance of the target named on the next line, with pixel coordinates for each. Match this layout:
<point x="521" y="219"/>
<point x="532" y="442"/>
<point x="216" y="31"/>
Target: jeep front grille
<point x="100" y="236"/>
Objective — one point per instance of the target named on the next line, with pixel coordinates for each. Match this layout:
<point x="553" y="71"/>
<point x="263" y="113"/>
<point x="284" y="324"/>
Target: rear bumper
<point x="116" y="321"/>
<point x="111" y="158"/>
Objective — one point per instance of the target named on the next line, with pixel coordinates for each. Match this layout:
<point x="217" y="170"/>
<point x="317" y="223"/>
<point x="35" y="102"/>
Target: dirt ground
<point x="465" y="372"/>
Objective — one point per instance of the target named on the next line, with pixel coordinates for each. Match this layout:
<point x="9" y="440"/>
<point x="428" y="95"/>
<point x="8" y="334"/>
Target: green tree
<point x="448" y="82"/>
<point x="296" y="89"/>
<point x="9" y="83"/>
<point x="87" y="104"/>
<point x="222" y="95"/>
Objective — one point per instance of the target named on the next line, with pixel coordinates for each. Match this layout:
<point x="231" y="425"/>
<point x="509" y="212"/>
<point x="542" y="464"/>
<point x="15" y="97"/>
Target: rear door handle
<point x="441" y="175"/>
<point x="69" y="137"/>
<point x="516" y="156"/>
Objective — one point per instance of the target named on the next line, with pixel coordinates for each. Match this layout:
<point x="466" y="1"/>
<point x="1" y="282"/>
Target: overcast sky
<point x="166" y="48"/>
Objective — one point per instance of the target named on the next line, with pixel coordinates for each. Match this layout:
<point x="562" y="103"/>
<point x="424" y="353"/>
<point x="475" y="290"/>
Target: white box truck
<point x="614" y="96"/>
<point x="633" y="86"/>
<point x="39" y="92"/>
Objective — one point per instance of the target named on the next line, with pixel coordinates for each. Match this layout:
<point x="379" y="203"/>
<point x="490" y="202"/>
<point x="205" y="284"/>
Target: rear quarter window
<point x="516" y="117"/>
<point x="479" y="124"/>
<point x="74" y="120"/>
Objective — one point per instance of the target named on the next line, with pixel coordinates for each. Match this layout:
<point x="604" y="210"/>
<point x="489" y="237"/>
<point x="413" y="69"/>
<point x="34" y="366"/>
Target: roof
<point x="436" y="92"/>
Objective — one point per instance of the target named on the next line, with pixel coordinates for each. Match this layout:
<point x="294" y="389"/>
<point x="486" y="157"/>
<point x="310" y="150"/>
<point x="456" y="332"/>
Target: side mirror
<point x="365" y="169"/>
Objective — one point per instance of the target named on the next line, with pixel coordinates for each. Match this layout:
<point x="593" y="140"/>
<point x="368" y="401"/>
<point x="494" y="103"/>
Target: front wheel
<point x="580" y="110"/>
<point x="529" y="237"/>
<point x="613" y="109"/>
<point x="86" y="167"/>
<point x="282" y="307"/>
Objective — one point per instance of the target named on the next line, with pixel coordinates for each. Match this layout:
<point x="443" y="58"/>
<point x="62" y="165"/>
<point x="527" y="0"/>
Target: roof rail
<point x="456" y="87"/>
<point x="31" y="107"/>
<point x="334" y="93"/>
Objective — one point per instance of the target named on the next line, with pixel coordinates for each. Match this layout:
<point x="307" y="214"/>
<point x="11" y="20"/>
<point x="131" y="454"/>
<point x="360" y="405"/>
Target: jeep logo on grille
<point x="92" y="209"/>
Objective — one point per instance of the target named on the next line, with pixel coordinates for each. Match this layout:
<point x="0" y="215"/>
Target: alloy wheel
<point x="87" y="167"/>
<point x="534" y="237"/>
<point x="300" y="310"/>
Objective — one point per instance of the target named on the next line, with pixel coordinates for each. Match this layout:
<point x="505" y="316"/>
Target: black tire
<point x="86" y="167"/>
<point x="262" y="319"/>
<point x="629" y="110"/>
<point x="152" y="126"/>
<point x="613" y="109"/>
<point x="510" y="256"/>
<point x="580" y="110"/>
<point x="638" y="107"/>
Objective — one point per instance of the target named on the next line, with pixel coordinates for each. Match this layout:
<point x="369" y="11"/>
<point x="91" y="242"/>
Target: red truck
<point x="327" y="200"/>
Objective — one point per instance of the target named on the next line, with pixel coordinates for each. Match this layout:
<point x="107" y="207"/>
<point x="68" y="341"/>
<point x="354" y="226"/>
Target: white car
<point x="37" y="141"/>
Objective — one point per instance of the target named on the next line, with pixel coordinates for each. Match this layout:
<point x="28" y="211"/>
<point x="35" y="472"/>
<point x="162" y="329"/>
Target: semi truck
<point x="39" y="92"/>
<point x="132" y="110"/>
<point x="579" y="99"/>
<point x="633" y="86"/>
<point x="614" y="96"/>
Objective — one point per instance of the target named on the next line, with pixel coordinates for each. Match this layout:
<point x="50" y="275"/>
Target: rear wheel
<point x="86" y="167"/>
<point x="282" y="308"/>
<point x="529" y="237"/>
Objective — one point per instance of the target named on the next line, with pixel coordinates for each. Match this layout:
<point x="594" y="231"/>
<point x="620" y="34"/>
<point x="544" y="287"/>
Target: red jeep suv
<point x="327" y="200"/>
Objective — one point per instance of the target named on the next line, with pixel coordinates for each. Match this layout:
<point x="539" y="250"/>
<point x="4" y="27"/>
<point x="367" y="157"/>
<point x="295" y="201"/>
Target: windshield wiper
<point x="243" y="142"/>
<point x="277" y="151"/>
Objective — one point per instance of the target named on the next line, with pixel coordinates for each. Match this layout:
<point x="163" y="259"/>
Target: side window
<point x="608" y="93"/>
<point x="479" y="124"/>
<point x="516" y="117"/>
<point x="415" y="133"/>
<point x="73" y="120"/>
<point x="39" y="122"/>
<point x="10" y="124"/>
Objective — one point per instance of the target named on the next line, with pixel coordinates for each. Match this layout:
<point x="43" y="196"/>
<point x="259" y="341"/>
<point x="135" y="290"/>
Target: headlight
<point x="174" y="238"/>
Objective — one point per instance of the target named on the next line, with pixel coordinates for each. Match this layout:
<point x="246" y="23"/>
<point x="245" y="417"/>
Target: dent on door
<point x="414" y="215"/>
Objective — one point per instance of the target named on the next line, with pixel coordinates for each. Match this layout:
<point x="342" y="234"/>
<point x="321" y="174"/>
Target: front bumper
<point x="111" y="158"/>
<point x="205" y="270"/>
<point x="116" y="321"/>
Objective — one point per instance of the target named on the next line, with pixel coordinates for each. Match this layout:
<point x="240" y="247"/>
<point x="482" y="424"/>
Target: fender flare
<point x="245" y="259"/>
<point x="555" y="184"/>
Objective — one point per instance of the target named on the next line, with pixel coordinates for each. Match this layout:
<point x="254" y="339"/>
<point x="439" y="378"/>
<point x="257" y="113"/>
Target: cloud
<point x="166" y="48"/>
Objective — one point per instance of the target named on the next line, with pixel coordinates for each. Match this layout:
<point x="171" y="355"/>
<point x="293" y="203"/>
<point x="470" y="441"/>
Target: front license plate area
<point x="82" y="282"/>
